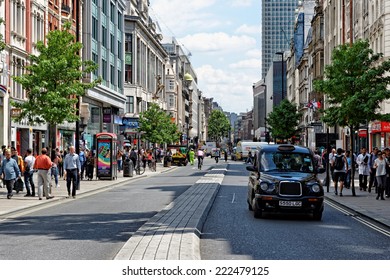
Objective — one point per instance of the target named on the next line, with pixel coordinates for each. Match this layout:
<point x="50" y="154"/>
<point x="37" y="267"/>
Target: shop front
<point x="380" y="134"/>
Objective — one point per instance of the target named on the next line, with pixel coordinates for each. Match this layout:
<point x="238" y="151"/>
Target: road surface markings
<point x="359" y="219"/>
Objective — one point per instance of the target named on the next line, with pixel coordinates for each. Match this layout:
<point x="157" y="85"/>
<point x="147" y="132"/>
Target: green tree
<point x="2" y="43"/>
<point x="157" y="126"/>
<point x="218" y="125"/>
<point x="283" y="120"/>
<point x="53" y="81"/>
<point x="355" y="84"/>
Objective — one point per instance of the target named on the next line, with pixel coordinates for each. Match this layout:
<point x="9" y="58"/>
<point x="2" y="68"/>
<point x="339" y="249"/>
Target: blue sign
<point x="131" y="123"/>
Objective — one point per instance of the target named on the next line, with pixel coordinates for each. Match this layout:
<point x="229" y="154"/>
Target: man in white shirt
<point x="29" y="173"/>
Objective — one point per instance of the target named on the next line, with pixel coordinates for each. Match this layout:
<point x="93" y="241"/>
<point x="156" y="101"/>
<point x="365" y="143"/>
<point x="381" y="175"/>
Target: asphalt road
<point x="231" y="231"/>
<point x="93" y="227"/>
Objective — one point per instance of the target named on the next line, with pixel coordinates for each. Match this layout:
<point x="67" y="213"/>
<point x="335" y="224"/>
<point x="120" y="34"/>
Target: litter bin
<point x="167" y="163"/>
<point x="128" y="168"/>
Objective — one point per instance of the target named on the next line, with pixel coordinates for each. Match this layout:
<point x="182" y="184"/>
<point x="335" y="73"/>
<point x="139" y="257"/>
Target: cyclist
<point x="200" y="155"/>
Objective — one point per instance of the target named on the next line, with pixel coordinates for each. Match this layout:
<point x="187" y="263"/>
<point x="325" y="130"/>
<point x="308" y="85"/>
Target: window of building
<point x="120" y="82"/>
<point x="171" y="101"/>
<point x="104" y="69"/>
<point x="171" y="85"/>
<point x="128" y="73"/>
<point x="120" y="51"/>
<point x="95" y="59"/>
<point x="17" y="69"/>
<point x="130" y="104"/>
<point x="105" y="7"/>
<point x="104" y="36"/>
<point x="112" y="12"/>
<point x="112" y="74"/>
<point x="95" y="28"/>
<point x="112" y="42"/>
<point x="120" y="21"/>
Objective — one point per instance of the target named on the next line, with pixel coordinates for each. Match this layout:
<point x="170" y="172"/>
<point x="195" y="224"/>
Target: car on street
<point x="283" y="178"/>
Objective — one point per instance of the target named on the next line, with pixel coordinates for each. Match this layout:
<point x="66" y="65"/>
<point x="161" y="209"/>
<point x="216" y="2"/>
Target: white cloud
<point x="254" y="53"/>
<point x="241" y="3"/>
<point x="217" y="42"/>
<point x="183" y="15"/>
<point x="232" y="90"/>
<point x="249" y="29"/>
<point x="246" y="64"/>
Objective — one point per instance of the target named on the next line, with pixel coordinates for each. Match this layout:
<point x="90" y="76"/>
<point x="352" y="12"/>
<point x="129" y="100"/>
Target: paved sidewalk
<point x="174" y="233"/>
<point x="364" y="203"/>
<point x="19" y="202"/>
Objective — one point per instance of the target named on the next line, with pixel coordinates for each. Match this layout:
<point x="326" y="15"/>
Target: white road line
<point x="359" y="219"/>
<point x="234" y="197"/>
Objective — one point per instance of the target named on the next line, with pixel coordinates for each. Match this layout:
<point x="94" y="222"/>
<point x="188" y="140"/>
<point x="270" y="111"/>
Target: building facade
<point x="26" y="23"/>
<point x="103" y="39"/>
<point x="278" y="17"/>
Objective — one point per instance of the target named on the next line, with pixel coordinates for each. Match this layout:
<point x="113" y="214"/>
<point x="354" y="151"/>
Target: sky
<point x="224" y="39"/>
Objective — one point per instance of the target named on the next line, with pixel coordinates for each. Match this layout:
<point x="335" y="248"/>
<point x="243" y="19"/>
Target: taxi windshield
<point x="282" y="161"/>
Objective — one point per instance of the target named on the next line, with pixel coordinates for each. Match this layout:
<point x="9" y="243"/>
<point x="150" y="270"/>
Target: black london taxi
<point x="283" y="178"/>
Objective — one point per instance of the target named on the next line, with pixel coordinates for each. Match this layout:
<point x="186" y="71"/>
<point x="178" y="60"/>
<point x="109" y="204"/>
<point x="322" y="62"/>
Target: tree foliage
<point x="2" y="43"/>
<point x="218" y="125"/>
<point x="157" y="126"/>
<point x="355" y="84"/>
<point x="283" y="120"/>
<point x="54" y="79"/>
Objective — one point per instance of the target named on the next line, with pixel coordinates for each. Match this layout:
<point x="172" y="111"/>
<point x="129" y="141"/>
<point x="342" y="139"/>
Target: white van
<point x="243" y="148"/>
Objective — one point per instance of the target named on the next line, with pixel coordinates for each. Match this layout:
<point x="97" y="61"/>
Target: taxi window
<point x="282" y="161"/>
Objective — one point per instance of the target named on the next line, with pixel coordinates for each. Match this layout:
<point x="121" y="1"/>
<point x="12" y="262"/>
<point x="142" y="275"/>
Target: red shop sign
<point x="385" y="126"/>
<point x="362" y="133"/>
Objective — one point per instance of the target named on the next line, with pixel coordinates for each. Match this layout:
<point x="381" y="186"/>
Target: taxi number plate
<point x="290" y="203"/>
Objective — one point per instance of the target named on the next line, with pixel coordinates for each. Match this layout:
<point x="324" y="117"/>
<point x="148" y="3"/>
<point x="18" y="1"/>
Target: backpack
<point x="338" y="162"/>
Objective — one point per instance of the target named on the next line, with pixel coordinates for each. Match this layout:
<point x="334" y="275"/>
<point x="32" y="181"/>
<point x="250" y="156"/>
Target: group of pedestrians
<point x="373" y="169"/>
<point x="69" y="165"/>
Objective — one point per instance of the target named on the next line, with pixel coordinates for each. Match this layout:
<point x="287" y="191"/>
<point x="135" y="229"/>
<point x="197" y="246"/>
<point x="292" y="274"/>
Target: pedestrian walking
<point x="119" y="159"/>
<point x="54" y="169"/>
<point x="191" y="156"/>
<point x="347" y="182"/>
<point x="200" y="155"/>
<point x="340" y="164"/>
<point x="90" y="164"/>
<point x="9" y="171"/>
<point x="43" y="164"/>
<point x="249" y="158"/>
<point x="387" y="187"/>
<point x="19" y="159"/>
<point x="371" y="162"/>
<point x="226" y="155"/>
<point x="2" y="157"/>
<point x="60" y="162"/>
<point x="82" y="159"/>
<point x="29" y="162"/>
<point x="364" y="170"/>
<point x="380" y="167"/>
<point x="331" y="160"/>
<point x="72" y="169"/>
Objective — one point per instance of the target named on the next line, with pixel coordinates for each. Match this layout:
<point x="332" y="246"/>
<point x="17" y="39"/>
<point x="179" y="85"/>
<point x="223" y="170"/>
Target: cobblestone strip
<point x="173" y="233"/>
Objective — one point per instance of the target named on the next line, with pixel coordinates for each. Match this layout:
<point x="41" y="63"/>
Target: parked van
<point x="243" y="147"/>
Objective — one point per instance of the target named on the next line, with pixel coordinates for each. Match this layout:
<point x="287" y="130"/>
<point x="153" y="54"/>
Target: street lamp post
<point x="265" y="108"/>
<point x="187" y="82"/>
<point x="282" y="54"/>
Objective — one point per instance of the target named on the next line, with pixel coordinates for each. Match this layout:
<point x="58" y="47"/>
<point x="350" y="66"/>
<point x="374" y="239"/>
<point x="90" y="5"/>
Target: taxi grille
<point x="290" y="188"/>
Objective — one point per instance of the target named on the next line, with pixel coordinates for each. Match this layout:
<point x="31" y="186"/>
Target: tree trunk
<point x="51" y="144"/>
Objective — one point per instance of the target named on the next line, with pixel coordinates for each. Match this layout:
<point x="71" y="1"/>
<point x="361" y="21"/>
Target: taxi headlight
<point x="264" y="186"/>
<point x="315" y="188"/>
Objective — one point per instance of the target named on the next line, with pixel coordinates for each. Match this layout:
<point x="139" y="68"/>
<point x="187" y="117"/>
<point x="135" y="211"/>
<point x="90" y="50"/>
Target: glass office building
<point x="278" y="17"/>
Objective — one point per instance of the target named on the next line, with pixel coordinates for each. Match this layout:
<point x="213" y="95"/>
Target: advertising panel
<point x="104" y="154"/>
